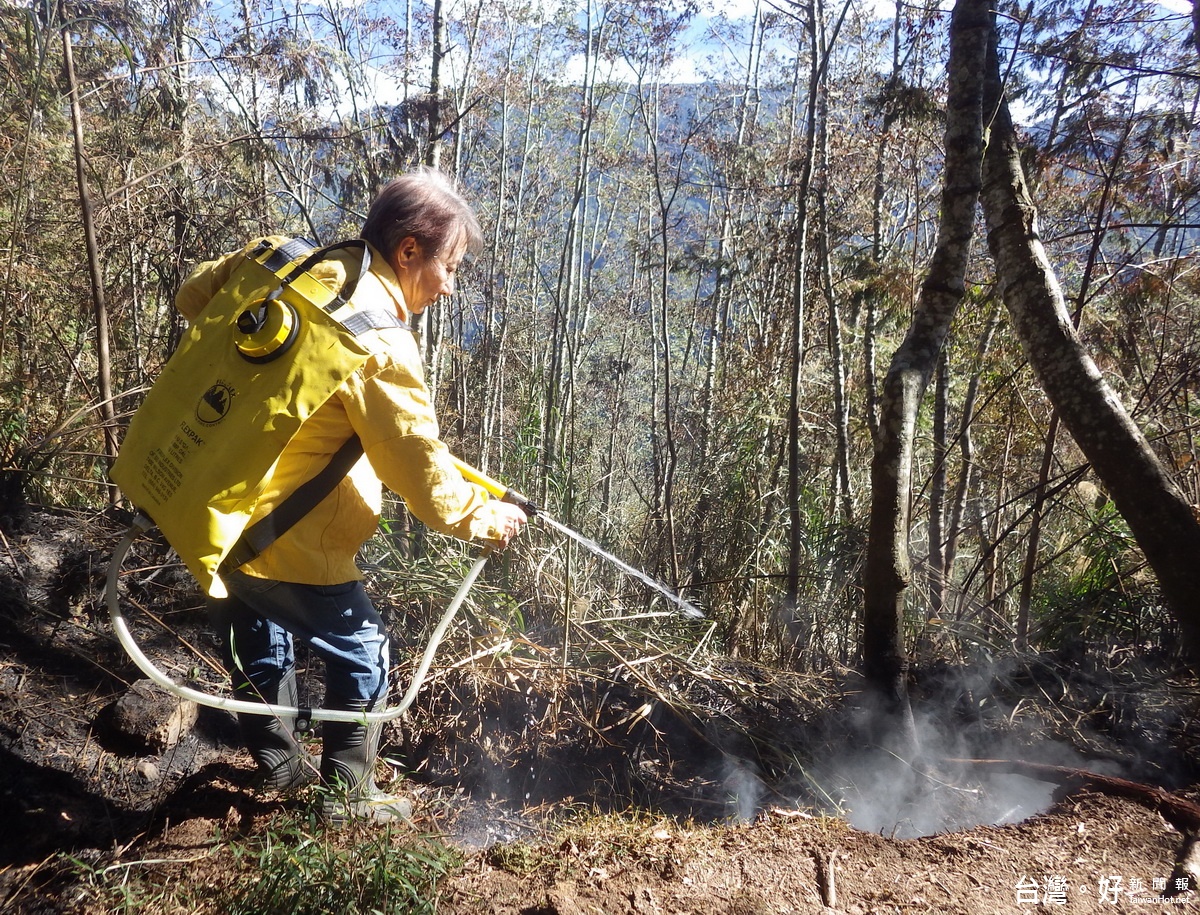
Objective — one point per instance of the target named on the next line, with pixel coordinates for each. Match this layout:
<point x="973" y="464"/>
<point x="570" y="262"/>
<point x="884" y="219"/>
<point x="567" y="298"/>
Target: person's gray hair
<point x="425" y="205"/>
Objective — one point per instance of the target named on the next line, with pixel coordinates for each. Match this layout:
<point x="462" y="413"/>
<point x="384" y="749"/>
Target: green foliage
<point x="1107" y="598"/>
<point x="520" y="858"/>
<point x="298" y="872"/>
<point x="294" y="867"/>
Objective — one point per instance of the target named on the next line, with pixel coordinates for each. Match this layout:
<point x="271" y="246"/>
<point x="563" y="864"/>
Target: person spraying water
<point x="262" y="451"/>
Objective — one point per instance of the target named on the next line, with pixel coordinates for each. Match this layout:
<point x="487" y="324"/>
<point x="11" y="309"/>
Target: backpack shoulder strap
<point x="262" y="533"/>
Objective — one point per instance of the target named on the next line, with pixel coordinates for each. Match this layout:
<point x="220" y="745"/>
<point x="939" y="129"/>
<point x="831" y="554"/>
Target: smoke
<point x="877" y="790"/>
<point x="882" y="793"/>
<point x="743" y="789"/>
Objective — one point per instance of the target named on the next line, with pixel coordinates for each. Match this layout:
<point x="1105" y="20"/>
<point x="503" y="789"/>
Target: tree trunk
<point x="1196" y="24"/>
<point x="1158" y="514"/>
<point x="797" y="474"/>
<point x="99" y="302"/>
<point x="433" y="151"/>
<point x="427" y="326"/>
<point x="938" y="487"/>
<point x="559" y="359"/>
<point x="666" y="455"/>
<point x="1038" y="511"/>
<point x="1029" y="569"/>
<point x="888" y="569"/>
<point x="842" y="496"/>
<point x="966" y="449"/>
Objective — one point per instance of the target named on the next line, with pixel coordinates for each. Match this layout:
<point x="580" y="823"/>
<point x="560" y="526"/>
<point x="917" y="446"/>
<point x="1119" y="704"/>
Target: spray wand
<point x="496" y="488"/>
<point x="505" y="494"/>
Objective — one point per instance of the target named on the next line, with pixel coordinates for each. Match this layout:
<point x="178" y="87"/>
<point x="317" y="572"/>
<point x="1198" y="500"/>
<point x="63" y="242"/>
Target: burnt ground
<point x="665" y="787"/>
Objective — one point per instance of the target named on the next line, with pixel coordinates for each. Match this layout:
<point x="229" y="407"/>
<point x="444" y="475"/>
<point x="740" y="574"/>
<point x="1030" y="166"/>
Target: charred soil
<point x="666" y="787"/>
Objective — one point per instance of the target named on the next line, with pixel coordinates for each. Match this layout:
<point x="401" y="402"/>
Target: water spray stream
<point x="688" y="609"/>
<point x="500" y="491"/>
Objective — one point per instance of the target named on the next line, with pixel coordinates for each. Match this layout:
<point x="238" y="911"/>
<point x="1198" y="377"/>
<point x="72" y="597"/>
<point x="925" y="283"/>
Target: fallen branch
<point x="1181" y="813"/>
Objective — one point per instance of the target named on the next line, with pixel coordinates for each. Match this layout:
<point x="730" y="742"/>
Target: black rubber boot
<point x="283" y="764"/>
<point x="348" y="773"/>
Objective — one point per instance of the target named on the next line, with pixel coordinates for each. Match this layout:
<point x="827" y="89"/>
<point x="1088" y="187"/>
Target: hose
<point x="141" y="524"/>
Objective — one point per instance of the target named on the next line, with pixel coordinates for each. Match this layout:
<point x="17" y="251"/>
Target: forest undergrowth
<point x="507" y="742"/>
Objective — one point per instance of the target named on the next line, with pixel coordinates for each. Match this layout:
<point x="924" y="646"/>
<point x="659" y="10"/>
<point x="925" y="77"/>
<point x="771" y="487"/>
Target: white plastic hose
<point x="142" y="524"/>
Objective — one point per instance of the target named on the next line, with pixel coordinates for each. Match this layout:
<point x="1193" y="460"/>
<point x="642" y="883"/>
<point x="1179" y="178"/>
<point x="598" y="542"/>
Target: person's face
<point x="424" y="278"/>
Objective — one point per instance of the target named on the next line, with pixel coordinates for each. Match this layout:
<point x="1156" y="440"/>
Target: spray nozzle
<point x="496" y="488"/>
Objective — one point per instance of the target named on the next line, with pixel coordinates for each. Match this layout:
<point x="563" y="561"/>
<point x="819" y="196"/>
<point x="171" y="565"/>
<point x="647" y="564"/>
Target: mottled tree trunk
<point x="888" y="570"/>
<point x="1158" y="514"/>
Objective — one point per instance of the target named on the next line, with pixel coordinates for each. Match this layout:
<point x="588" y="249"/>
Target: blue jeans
<point x="258" y="619"/>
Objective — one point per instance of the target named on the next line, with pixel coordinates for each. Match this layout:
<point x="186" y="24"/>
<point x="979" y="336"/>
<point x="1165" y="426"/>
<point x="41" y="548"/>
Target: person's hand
<point x="509" y="521"/>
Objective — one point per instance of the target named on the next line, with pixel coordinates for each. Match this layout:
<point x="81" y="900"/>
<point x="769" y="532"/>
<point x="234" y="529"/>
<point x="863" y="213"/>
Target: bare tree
<point x="889" y="571"/>
<point x="822" y="39"/>
<point x="1157" y="512"/>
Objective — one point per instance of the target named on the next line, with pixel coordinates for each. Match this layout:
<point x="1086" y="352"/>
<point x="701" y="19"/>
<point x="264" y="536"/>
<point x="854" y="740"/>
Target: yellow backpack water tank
<point x="262" y="356"/>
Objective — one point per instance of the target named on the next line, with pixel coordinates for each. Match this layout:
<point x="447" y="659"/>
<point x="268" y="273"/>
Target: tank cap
<point x="266" y="330"/>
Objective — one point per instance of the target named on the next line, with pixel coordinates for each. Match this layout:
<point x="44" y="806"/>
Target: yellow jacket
<point x="387" y="403"/>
